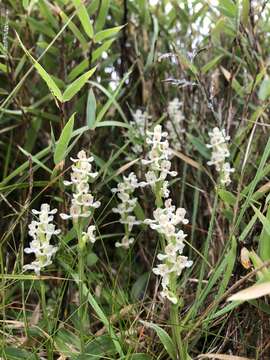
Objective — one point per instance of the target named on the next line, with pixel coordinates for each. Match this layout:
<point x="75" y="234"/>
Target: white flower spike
<point x="41" y="231"/>
<point x="83" y="202"/>
<point x="220" y="151"/>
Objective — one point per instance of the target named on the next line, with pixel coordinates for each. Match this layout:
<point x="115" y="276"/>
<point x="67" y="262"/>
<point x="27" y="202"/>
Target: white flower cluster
<point x="220" y="151"/>
<point x="174" y="125"/>
<point x="158" y="161"/>
<point x="82" y="200"/>
<point x="138" y="129"/>
<point x="125" y="209"/>
<point x="166" y="222"/>
<point x="41" y="231"/>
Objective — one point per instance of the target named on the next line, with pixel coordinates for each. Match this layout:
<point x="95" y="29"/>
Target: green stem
<point x="44" y="311"/>
<point x="174" y="319"/>
<point x="82" y="302"/>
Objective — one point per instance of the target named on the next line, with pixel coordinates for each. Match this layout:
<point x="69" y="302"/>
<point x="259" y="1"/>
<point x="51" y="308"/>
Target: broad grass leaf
<point x="140" y="356"/>
<point x="13" y="353"/>
<point x="253" y="292"/>
<point x="91" y="109"/>
<point x="164" y="338"/>
<point x="76" y="86"/>
<point x="64" y="139"/>
<point x="84" y="17"/>
<point x="104" y="34"/>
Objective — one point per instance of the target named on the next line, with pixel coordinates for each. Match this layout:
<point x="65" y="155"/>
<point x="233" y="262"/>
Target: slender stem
<point x="44" y="312"/>
<point x="82" y="302"/>
<point x="174" y="318"/>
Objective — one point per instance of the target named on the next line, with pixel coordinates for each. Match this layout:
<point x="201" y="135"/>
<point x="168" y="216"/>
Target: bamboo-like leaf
<point x="91" y="109"/>
<point x="104" y="34"/>
<point x="77" y="84"/>
<point x="84" y="18"/>
<point x="62" y="143"/>
<point x="43" y="73"/>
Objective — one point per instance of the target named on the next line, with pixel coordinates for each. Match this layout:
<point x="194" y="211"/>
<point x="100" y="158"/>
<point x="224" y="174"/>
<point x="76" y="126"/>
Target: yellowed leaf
<point x="222" y="357"/>
<point x="126" y="166"/>
<point x="187" y="159"/>
<point x="252" y="292"/>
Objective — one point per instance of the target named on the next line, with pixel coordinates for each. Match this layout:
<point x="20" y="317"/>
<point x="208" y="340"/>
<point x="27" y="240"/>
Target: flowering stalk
<point x="166" y="221"/>
<point x="42" y="230"/>
<point x="159" y="164"/>
<point x="82" y="208"/>
<point x="220" y="151"/>
<point x="125" y="209"/>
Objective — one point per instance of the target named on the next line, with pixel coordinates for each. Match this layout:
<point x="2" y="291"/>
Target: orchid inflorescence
<point x="158" y="162"/>
<point x="125" y="209"/>
<point x="83" y="202"/>
<point x="166" y="219"/>
<point x="220" y="151"/>
<point x="41" y="230"/>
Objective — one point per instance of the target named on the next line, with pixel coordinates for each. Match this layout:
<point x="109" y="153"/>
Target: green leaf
<point x="43" y="73"/>
<point x="104" y="47"/>
<point x="264" y="240"/>
<point x="227" y="197"/>
<point x="211" y="64"/>
<point x="75" y="30"/>
<point x="91" y="109"/>
<point x="112" y="123"/>
<point x="228" y="8"/>
<point x="139" y="286"/>
<point x="164" y="338"/>
<point x="13" y="353"/>
<point x="245" y="11"/>
<point x="102" y="14"/>
<point x="104" y="34"/>
<point x="84" y="18"/>
<point x="199" y="146"/>
<point x="140" y="356"/>
<point x="264" y="91"/>
<point x="76" y="86"/>
<point x="62" y="143"/>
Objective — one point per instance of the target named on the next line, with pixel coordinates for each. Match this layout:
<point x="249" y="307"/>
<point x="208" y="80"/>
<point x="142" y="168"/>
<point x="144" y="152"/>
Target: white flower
<point x="125" y="192"/>
<point x="220" y="151"/>
<point x="41" y="231"/>
<point x="83" y="201"/>
<point x="166" y="222"/>
<point x="90" y="234"/>
<point x="158" y="161"/>
<point x="125" y="242"/>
